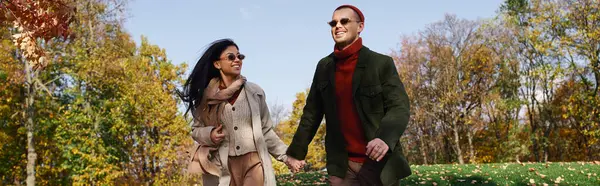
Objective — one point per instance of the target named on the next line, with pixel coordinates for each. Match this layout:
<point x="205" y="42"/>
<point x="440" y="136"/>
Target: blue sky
<point x="282" y="39"/>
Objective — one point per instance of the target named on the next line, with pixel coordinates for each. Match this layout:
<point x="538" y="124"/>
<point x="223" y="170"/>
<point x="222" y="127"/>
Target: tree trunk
<point x="547" y="131"/>
<point x="457" y="145"/>
<point x="29" y="114"/>
<point x="447" y="150"/>
<point x="559" y="148"/>
<point x="534" y="140"/>
<point x="471" y="151"/>
<point x="423" y="152"/>
<point x="434" y="155"/>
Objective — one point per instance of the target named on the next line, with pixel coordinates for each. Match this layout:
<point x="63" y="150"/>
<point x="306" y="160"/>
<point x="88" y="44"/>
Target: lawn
<point x="552" y="173"/>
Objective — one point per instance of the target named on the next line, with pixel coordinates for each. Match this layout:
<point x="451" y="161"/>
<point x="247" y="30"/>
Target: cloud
<point x="247" y="13"/>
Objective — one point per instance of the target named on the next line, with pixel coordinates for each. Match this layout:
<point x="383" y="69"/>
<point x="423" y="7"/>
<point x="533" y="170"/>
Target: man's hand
<point x="376" y="149"/>
<point x="294" y="165"/>
<point x="217" y="135"/>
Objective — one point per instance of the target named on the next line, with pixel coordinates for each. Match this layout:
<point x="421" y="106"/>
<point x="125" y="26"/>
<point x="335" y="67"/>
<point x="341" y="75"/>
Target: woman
<point x="232" y="126"/>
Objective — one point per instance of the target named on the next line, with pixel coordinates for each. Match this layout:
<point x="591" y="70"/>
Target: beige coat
<point x="266" y="140"/>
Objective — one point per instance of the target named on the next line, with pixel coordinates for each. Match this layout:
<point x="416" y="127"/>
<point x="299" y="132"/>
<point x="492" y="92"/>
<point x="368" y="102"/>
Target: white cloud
<point x="247" y="12"/>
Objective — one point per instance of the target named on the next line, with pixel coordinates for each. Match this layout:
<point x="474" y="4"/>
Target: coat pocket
<point x="371" y="98"/>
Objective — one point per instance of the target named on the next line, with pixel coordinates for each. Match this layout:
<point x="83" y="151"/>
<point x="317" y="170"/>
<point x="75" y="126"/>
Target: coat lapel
<point x="251" y="96"/>
<point x="330" y="70"/>
<point x="361" y="64"/>
<point x="255" y="96"/>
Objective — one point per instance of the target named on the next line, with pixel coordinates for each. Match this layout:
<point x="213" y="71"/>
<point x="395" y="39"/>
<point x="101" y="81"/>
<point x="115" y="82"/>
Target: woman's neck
<point x="228" y="80"/>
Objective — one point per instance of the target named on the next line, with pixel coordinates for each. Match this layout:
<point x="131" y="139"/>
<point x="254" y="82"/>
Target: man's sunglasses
<point x="232" y="57"/>
<point x="344" y="21"/>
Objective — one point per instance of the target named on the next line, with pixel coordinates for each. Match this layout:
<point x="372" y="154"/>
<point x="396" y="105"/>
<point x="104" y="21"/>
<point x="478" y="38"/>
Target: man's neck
<point x="346" y="45"/>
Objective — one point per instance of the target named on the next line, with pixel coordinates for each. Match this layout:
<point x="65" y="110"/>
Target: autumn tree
<point x="35" y="23"/>
<point x="109" y="115"/>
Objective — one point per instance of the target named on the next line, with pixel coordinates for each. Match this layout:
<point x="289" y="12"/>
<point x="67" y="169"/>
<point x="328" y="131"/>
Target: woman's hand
<point x="217" y="135"/>
<point x="294" y="165"/>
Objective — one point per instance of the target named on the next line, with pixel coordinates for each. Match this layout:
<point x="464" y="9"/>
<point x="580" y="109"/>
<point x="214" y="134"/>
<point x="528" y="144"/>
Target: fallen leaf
<point x="558" y="180"/>
<point x="423" y="183"/>
<point x="542" y="176"/>
<point x="474" y="181"/>
<point x="531" y="181"/>
<point x="434" y="184"/>
<point x="461" y="180"/>
<point x="545" y="184"/>
<point x="531" y="169"/>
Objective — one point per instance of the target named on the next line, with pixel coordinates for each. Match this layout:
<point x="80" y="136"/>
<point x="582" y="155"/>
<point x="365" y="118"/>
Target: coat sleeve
<point x="312" y="115"/>
<point x="396" y="106"/>
<point x="275" y="146"/>
<point x="201" y="133"/>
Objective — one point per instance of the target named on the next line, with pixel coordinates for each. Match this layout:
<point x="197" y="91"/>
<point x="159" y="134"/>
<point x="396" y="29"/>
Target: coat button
<point x="233" y="108"/>
<point x="238" y="147"/>
<point x="235" y="128"/>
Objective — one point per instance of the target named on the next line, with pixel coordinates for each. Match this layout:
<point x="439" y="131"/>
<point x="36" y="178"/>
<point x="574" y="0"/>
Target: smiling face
<point x="345" y="26"/>
<point x="230" y="62"/>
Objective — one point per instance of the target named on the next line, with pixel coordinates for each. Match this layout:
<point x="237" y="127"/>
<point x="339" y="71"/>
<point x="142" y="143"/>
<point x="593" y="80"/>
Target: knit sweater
<point x="237" y="120"/>
<point x="351" y="126"/>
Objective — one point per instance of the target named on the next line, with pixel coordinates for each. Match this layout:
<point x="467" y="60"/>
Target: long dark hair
<point x="203" y="72"/>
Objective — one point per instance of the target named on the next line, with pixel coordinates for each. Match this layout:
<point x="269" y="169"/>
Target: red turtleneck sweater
<point x="351" y="126"/>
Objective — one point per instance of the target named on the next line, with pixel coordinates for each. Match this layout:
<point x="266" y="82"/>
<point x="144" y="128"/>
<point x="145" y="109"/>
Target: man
<point x="366" y="108"/>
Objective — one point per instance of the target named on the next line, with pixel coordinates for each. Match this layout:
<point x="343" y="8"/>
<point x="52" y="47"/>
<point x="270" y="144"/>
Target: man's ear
<point x="361" y="26"/>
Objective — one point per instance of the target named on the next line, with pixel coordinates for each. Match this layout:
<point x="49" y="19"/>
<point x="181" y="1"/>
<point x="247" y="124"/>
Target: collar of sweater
<point x="348" y="51"/>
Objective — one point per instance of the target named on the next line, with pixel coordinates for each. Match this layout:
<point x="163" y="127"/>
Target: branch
<point x="40" y="85"/>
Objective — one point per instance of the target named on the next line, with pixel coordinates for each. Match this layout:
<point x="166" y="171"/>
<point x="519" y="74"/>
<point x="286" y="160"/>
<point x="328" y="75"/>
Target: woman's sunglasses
<point x="232" y="57"/>
<point x="343" y="21"/>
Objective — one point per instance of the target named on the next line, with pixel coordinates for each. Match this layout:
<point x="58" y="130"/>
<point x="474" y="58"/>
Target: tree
<point x="35" y="20"/>
<point x="577" y="24"/>
<point x="110" y="113"/>
<point x="278" y="113"/>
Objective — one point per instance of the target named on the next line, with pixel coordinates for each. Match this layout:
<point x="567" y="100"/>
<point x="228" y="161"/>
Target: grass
<point x="558" y="173"/>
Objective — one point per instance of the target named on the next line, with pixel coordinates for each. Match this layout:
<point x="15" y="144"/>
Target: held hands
<point x="376" y="149"/>
<point x="294" y="165"/>
<point x="217" y="135"/>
